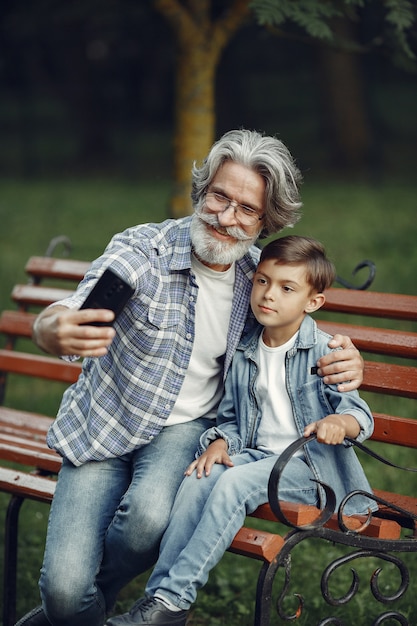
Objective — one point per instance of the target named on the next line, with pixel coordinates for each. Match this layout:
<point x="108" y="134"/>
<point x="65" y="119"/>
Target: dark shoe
<point x="148" y="611"/>
<point x="35" y="617"/>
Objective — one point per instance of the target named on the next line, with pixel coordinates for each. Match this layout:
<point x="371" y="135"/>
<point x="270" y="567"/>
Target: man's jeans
<point x="210" y="510"/>
<point x="106" y="522"/>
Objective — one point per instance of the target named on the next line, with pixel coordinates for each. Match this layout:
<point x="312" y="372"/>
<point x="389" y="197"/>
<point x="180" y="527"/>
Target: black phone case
<point x="110" y="292"/>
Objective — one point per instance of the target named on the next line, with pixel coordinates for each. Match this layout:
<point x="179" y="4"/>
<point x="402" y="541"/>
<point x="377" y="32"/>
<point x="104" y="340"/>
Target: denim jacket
<point x="239" y="412"/>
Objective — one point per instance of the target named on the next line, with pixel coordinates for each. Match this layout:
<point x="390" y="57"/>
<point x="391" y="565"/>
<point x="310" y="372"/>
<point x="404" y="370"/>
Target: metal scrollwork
<point x="405" y="579"/>
<point x="390" y="615"/>
<point x="273" y="488"/>
<point x="372" y="271"/>
<point x="330" y="500"/>
<point x="57" y="241"/>
<point x="362" y="544"/>
<point x="409" y="515"/>
<point x="297" y="613"/>
<point x="330" y="569"/>
<point x="378" y="595"/>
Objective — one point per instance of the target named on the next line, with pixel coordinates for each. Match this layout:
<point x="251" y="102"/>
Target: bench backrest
<point x="382" y="376"/>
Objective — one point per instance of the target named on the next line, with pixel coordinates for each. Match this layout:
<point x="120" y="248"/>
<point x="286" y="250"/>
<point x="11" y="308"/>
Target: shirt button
<point x="191" y="298"/>
<point x="188" y="336"/>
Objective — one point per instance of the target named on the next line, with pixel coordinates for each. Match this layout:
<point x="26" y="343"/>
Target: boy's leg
<point x="186" y="515"/>
<point x="215" y="518"/>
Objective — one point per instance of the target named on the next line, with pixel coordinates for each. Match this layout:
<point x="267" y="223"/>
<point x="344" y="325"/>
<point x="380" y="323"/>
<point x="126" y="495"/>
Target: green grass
<point x="354" y="221"/>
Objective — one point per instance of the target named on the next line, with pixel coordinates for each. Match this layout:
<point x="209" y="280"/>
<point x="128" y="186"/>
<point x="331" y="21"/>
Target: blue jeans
<point x="106" y="522"/>
<point x="207" y="514"/>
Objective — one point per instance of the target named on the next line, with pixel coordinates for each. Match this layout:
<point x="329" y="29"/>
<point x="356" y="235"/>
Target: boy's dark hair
<point x="296" y="250"/>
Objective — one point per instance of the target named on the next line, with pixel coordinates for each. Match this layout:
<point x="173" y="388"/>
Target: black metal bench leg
<point x="264" y="594"/>
<point x="10" y="560"/>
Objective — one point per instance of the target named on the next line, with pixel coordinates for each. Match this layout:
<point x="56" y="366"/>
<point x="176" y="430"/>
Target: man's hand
<point x="342" y="367"/>
<point x="61" y="331"/>
<point x="215" y="453"/>
<point x="333" y="428"/>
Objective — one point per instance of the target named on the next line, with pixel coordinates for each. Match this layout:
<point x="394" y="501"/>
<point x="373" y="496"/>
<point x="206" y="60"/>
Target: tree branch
<point x="229" y="23"/>
<point x="175" y="13"/>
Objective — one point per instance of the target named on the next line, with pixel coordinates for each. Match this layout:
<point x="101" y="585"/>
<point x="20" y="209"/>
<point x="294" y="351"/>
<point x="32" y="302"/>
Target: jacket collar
<point x="307" y="337"/>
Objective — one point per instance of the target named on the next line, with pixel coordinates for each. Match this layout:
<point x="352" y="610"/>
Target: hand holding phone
<point x="110" y="292"/>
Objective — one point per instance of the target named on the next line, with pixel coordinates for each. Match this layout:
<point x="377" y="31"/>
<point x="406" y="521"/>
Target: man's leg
<point x="86" y="512"/>
<point x="84" y="504"/>
<point x="133" y="538"/>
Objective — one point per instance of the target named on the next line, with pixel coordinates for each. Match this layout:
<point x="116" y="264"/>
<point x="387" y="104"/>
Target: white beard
<point x="214" y="252"/>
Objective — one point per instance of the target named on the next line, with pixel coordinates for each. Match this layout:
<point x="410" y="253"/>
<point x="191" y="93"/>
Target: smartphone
<point x="110" y="292"/>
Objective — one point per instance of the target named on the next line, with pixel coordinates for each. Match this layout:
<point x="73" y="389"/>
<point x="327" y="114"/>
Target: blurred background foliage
<point x="88" y="87"/>
<point x="89" y="117"/>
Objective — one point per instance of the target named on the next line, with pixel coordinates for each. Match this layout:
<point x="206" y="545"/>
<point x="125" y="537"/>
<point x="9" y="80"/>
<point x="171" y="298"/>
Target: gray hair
<point x="267" y="156"/>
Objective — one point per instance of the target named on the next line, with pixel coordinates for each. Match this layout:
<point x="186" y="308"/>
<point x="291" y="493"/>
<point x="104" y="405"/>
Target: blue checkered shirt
<point x="122" y="400"/>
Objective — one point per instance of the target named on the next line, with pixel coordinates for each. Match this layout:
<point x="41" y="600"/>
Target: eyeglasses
<point x="245" y="215"/>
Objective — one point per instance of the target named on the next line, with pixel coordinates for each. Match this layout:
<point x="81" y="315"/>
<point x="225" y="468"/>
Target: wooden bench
<point x="28" y="467"/>
<point x="34" y="466"/>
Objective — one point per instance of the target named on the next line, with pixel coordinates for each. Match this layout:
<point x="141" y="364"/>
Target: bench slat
<point x="373" y="303"/>
<point x="40" y="267"/>
<point x="394" y="380"/>
<point x="26" y="485"/>
<point x="25" y="421"/>
<point x="409" y="503"/>
<point x="20" y="451"/>
<point x="39" y="366"/>
<point x="257" y="544"/>
<point x="396" y="306"/>
<point x="396" y="430"/>
<point x="302" y="514"/>
<point x="375" y="340"/>
<point x="17" y="323"/>
<point x="37" y="295"/>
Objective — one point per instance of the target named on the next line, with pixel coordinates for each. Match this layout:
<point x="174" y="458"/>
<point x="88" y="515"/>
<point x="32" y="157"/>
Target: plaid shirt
<point x="122" y="400"/>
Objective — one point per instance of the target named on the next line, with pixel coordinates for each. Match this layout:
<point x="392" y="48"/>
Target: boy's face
<point x="281" y="297"/>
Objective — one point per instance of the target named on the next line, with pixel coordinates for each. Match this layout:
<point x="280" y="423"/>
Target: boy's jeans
<point x="209" y="511"/>
<point x="106" y="522"/>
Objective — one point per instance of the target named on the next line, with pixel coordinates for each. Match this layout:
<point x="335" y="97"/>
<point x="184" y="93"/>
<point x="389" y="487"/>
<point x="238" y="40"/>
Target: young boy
<point x="272" y="397"/>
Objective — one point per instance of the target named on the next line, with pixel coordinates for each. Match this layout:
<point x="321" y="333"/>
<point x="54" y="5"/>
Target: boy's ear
<point x="315" y="302"/>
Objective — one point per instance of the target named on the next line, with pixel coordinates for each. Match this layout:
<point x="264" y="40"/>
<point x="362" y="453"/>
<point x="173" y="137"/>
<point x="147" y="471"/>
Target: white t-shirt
<point x="203" y="385"/>
<point x="277" y="426"/>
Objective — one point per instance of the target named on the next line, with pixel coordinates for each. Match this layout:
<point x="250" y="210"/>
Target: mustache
<point x="232" y="231"/>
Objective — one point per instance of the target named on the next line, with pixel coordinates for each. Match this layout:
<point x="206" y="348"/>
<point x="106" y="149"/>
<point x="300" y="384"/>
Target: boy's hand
<point x="215" y="453"/>
<point x="333" y="429"/>
<point x="342" y="367"/>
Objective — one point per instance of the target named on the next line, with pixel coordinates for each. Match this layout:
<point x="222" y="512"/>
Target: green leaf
<point x="310" y="15"/>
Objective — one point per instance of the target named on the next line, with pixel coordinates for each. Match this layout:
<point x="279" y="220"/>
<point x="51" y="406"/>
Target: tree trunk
<point x="200" y="41"/>
<point x="346" y="122"/>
